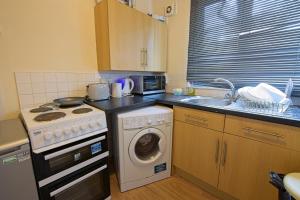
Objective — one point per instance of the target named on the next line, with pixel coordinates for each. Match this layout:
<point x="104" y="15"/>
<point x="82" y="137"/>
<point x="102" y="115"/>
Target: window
<point x="245" y="41"/>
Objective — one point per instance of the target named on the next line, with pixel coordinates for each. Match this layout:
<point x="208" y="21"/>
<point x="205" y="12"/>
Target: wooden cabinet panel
<point x="102" y="35"/>
<point x="275" y="134"/>
<point x="245" y="165"/>
<point x="204" y="119"/>
<point x="129" y="40"/>
<point x="196" y="150"/>
<point x="237" y="162"/>
<point x="126" y="37"/>
<point x="144" y="6"/>
<point x="156" y="45"/>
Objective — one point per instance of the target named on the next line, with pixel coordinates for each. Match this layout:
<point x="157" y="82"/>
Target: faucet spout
<point x="230" y="84"/>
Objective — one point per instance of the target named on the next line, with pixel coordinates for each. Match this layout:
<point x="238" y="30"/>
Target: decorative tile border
<point x="36" y="88"/>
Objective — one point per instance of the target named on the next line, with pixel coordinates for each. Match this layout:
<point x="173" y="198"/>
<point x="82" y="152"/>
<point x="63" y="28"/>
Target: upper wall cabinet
<point x="129" y="40"/>
<point x="144" y="6"/>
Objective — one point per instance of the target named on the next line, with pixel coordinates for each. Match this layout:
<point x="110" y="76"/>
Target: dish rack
<point x="263" y="106"/>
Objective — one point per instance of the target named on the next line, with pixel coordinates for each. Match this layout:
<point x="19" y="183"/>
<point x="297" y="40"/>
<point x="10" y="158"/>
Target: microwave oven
<point x="149" y="84"/>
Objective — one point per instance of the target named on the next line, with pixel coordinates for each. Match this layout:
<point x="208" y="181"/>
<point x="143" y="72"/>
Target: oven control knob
<point x="48" y="136"/>
<point x="67" y="132"/>
<point x="83" y="127"/>
<point x="99" y="124"/>
<point x="74" y="129"/>
<point x="91" y="125"/>
<point x="58" y="134"/>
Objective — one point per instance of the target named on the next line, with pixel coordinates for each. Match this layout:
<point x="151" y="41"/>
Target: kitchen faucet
<point x="230" y="96"/>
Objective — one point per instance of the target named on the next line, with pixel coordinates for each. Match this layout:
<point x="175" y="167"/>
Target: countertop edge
<point x="267" y="118"/>
<point x="149" y="101"/>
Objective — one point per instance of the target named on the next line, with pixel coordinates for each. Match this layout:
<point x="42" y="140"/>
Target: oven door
<point x="89" y="183"/>
<point x="56" y="160"/>
<point x="153" y="84"/>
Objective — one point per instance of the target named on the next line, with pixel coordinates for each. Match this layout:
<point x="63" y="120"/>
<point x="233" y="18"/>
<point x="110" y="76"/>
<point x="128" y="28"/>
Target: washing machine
<point x="143" y="146"/>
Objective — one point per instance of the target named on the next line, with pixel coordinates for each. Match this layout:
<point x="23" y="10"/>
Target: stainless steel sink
<point x="207" y="101"/>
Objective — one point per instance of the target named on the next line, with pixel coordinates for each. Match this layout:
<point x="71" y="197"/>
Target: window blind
<point x="245" y="41"/>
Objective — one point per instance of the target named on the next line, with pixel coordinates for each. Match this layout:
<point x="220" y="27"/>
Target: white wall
<point x="43" y="35"/>
<point x="59" y="36"/>
<point x="178" y="39"/>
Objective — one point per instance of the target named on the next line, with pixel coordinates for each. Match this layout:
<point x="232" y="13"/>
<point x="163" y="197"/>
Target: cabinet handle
<point x="217" y="151"/>
<point x="224" y="154"/>
<point x="146" y="57"/>
<point x="258" y="132"/>
<point x="196" y="120"/>
<point x="142" y="57"/>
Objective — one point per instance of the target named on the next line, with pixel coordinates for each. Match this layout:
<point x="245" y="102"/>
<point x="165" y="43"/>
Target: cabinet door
<point x="196" y="150"/>
<point x="126" y="37"/>
<point x="155" y="41"/>
<point x="245" y="165"/>
<point x="144" y="6"/>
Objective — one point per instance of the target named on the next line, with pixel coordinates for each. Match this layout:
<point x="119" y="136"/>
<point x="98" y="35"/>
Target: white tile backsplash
<point x="62" y="86"/>
<point x="72" y="77"/>
<point x="63" y="94"/>
<point x="26" y="100"/>
<point x="23" y="77"/>
<point x="51" y="87"/>
<point x="82" y="85"/>
<point x="39" y="99"/>
<point x="50" y="77"/>
<point x="50" y="96"/>
<point x="25" y="88"/>
<point x="61" y="77"/>
<point x="112" y="77"/>
<point x="36" y="88"/>
<point x="37" y="77"/>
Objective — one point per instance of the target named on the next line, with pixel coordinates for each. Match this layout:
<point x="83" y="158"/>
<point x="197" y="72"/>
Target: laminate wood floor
<point x="171" y="188"/>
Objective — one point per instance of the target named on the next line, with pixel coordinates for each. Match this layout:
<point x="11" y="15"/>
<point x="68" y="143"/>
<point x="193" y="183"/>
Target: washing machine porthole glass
<point x="147" y="146"/>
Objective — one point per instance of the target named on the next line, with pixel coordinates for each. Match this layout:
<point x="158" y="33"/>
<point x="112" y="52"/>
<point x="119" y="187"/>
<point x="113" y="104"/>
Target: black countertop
<point x="122" y="104"/>
<point x="290" y="117"/>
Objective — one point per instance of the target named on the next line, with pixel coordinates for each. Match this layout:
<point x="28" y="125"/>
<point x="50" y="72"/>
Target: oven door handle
<point x="67" y="186"/>
<point x="67" y="150"/>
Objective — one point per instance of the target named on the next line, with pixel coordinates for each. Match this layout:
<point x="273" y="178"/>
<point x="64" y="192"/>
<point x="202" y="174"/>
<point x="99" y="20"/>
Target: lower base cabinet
<point x="197" y="151"/>
<point x="245" y="165"/>
<point x="236" y="162"/>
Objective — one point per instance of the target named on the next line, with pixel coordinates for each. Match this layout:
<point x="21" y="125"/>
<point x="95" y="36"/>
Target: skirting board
<point x="208" y="188"/>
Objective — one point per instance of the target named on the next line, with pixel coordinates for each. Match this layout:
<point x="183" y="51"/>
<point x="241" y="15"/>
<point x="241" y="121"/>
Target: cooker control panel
<point x="57" y="133"/>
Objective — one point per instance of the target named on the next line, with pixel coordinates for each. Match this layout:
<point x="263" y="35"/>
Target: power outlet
<point x="171" y="9"/>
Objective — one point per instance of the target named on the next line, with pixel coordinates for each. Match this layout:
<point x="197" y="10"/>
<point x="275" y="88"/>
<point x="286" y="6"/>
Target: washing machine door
<point x="147" y="146"/>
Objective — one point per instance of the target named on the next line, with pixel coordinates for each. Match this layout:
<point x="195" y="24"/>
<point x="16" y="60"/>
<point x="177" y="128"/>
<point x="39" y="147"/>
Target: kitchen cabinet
<point x="196" y="148"/>
<point x="155" y="43"/>
<point x="144" y="6"/>
<point x="196" y="151"/>
<point x="233" y="154"/>
<point x="252" y="149"/>
<point x="245" y="165"/>
<point x="151" y="6"/>
<point x="129" y="40"/>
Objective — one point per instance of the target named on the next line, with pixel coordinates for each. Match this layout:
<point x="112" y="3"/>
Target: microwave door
<point x="152" y="83"/>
